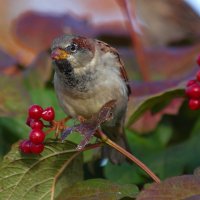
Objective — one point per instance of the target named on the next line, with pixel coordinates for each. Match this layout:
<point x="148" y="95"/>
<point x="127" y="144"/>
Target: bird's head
<point x="71" y="52"/>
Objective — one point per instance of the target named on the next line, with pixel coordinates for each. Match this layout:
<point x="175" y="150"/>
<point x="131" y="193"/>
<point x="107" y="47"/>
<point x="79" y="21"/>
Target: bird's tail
<point x="117" y="135"/>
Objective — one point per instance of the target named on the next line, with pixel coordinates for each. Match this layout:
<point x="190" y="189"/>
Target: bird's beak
<point x="59" y="54"/>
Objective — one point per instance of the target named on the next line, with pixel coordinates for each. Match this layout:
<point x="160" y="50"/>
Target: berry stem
<point x="57" y="126"/>
<point x="66" y="119"/>
<point x="109" y="142"/>
<point x="48" y="131"/>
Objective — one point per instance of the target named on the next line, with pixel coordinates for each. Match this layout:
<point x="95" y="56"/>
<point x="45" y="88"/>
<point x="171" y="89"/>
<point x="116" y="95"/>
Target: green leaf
<point x="14" y="126"/>
<point x="39" y="71"/>
<point x="176" y="188"/>
<point x="124" y="173"/>
<point x="139" y="105"/>
<point x="9" y="134"/>
<point x="13" y="96"/>
<point x="176" y="159"/>
<point x="47" y="97"/>
<point x="98" y="189"/>
<point x="142" y="147"/>
<point x="42" y="176"/>
<point x="164" y="161"/>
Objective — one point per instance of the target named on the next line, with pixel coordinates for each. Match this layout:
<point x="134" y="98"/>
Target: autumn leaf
<point x="89" y="127"/>
<point x="175" y="188"/>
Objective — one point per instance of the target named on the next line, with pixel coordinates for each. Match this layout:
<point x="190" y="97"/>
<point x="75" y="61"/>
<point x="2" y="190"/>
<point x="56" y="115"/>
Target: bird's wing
<point x="107" y="48"/>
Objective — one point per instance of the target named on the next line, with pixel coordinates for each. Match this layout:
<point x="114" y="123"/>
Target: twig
<point x="92" y="146"/>
<point x="109" y="142"/>
<point x="136" y="42"/>
<point x="58" y="126"/>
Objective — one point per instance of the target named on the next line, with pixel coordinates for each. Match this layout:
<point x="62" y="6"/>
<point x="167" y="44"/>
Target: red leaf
<point x="180" y="187"/>
<point x="151" y="120"/>
<point x="89" y="127"/>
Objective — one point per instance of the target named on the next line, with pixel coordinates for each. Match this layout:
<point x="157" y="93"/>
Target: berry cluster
<point x="193" y="90"/>
<point x="35" y="143"/>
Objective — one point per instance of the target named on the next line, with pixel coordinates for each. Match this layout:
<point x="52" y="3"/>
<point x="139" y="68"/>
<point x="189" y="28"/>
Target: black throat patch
<point x="74" y="81"/>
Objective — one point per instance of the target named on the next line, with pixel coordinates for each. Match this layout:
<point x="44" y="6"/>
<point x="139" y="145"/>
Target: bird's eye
<point x="72" y="48"/>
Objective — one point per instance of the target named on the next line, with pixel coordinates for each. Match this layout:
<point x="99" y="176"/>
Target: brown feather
<point x="107" y="48"/>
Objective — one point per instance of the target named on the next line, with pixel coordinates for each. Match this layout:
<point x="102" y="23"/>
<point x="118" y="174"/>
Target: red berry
<point x="36" y="124"/>
<point x="193" y="91"/>
<point x="198" y="60"/>
<point x="191" y="82"/>
<point x="25" y="146"/>
<point x="35" y="112"/>
<point x="37" y="136"/>
<point x="48" y="114"/>
<point x="198" y="76"/>
<point x="36" y="148"/>
<point x="194" y="104"/>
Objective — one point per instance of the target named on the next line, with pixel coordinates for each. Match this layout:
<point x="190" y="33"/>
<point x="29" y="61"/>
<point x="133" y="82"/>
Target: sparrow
<point x="88" y="74"/>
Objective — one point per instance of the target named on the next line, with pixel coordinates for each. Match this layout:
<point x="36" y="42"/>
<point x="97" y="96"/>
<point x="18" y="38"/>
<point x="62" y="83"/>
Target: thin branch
<point x="135" y="39"/>
<point x="128" y="155"/>
<point x="92" y="146"/>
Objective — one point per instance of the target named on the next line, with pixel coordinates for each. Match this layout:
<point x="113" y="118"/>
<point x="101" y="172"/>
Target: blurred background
<point x="158" y="40"/>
